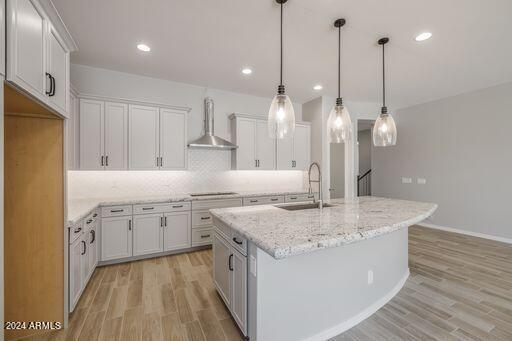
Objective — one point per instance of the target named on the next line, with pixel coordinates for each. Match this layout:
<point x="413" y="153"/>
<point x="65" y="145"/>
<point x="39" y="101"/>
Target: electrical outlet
<point x="406" y="180"/>
<point x="370" y="276"/>
<point x="422" y="181"/>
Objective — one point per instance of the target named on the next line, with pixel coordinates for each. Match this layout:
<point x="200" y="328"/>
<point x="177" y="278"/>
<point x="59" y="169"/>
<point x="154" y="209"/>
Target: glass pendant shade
<point x="384" y="131"/>
<point x="281" y="118"/>
<point x="339" y="125"/>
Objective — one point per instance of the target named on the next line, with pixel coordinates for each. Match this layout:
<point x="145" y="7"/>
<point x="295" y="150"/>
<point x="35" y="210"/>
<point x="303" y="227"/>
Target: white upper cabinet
<point x="91" y="135"/>
<point x="58" y="68"/>
<point x="173" y="140"/>
<point x="265" y="147"/>
<point x="26" y="32"/>
<point x="38" y="47"/>
<point x="116" y="136"/>
<point x="256" y="151"/>
<point x="73" y="133"/>
<point x="294" y="153"/>
<point x="143" y="137"/>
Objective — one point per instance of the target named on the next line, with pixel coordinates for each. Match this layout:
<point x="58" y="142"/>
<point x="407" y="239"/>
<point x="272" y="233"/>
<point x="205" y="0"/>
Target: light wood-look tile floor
<point x="460" y="288"/>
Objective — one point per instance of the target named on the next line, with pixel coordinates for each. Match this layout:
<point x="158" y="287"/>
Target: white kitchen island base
<point x="321" y="294"/>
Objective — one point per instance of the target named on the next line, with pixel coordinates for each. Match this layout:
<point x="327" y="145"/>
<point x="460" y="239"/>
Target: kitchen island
<point x="311" y="274"/>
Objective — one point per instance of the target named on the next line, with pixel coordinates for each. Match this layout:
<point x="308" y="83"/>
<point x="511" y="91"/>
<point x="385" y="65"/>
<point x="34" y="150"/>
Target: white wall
<point x="365" y="150"/>
<point x="462" y="147"/>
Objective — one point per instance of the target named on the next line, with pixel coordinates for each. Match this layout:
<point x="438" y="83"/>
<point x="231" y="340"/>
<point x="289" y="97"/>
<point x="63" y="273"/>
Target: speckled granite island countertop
<point x="282" y="233"/>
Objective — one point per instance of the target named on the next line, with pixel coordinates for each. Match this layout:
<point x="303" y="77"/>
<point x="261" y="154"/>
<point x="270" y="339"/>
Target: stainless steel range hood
<point x="209" y="140"/>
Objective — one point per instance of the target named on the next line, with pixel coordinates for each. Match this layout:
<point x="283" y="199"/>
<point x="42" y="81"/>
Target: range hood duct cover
<point x="209" y="140"/>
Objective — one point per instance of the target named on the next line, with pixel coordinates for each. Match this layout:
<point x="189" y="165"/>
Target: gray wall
<point x="365" y="150"/>
<point x="462" y="146"/>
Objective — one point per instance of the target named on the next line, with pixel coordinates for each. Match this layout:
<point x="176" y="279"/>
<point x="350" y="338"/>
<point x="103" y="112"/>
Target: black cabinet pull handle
<point x="293" y="198"/>
<point x="93" y="234"/>
<point x="54" y="86"/>
<point x="88" y="221"/>
<point x="147" y="208"/>
<point x="230" y="260"/>
<point x="161" y="221"/>
<point x="254" y="200"/>
<point x="116" y="211"/>
<point x="205" y="218"/>
<point x="85" y="248"/>
<point x="129" y="225"/>
<point x="106" y="160"/>
<point x="165" y="221"/>
<point x="77" y="230"/>
<point x="95" y="215"/>
<point x="205" y="236"/>
<point x="49" y="93"/>
<point x="177" y="206"/>
<point x="102" y="160"/>
<point x="274" y="199"/>
<point x="236" y="241"/>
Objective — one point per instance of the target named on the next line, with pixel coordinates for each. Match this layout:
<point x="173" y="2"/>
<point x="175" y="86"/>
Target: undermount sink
<point x="299" y="207"/>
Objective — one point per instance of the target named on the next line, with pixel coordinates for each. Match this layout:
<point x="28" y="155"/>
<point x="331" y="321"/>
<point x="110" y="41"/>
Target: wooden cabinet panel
<point x="143" y="137"/>
<point x="116" y="136"/>
<point x="173" y="140"/>
<point x="116" y="238"/>
<point x="147" y="234"/>
<point x="177" y="231"/>
<point x="91" y="135"/>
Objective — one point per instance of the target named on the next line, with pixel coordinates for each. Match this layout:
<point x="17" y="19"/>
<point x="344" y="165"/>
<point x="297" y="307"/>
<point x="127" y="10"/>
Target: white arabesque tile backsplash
<point x="208" y="171"/>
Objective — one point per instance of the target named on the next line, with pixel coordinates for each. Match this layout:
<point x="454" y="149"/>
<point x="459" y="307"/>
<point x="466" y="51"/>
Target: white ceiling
<point x="208" y="42"/>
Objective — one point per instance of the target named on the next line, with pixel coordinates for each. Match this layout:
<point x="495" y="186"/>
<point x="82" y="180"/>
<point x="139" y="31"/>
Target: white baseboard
<point x="469" y="233"/>
<point x="353" y="321"/>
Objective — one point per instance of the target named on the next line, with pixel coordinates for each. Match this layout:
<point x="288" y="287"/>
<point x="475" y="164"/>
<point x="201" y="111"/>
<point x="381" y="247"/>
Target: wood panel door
<point x="92" y="135"/>
<point x="173" y="140"/>
<point x="147" y="234"/>
<point x="143" y="137"/>
<point x="265" y="147"/>
<point x="116" y="136"/>
<point x="177" y="231"/>
<point x="34" y="220"/>
<point x="116" y="238"/>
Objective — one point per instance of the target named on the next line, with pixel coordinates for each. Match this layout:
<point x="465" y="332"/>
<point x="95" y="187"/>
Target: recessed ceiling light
<point x="143" y="47"/>
<point x="318" y="87"/>
<point x="423" y="36"/>
<point x="246" y="70"/>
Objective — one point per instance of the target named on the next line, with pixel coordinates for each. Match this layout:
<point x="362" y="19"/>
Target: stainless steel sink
<point x="298" y="207"/>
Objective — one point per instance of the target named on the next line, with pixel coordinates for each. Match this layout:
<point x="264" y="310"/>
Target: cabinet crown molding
<point x="58" y="24"/>
<point x="95" y="97"/>
<point x="259" y="117"/>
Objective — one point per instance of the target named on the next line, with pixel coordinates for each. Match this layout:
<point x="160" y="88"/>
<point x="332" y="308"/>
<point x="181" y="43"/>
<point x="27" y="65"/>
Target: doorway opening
<point x="364" y="152"/>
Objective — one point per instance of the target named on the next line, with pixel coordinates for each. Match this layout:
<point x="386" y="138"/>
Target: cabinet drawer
<point x="201" y="218"/>
<point x="249" y="201"/>
<point x="161" y="208"/>
<point x="202" y="236"/>
<point x="299" y="197"/>
<point x="90" y="220"/>
<point x="75" y="231"/>
<point x="209" y="204"/>
<point x="239" y="242"/>
<point x="115" y="211"/>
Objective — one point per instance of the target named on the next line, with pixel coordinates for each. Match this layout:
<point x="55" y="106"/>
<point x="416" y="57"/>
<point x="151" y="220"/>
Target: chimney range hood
<point x="209" y="140"/>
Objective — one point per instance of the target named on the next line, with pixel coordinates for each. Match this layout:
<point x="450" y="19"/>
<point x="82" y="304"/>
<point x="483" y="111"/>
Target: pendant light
<point x="339" y="124"/>
<point x="281" y="117"/>
<point x="384" y="130"/>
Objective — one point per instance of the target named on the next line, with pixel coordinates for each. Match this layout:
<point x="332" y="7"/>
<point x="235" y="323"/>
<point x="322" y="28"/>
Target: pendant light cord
<point x="339" y="62"/>
<point x="383" y="78"/>
<point x="281" y="74"/>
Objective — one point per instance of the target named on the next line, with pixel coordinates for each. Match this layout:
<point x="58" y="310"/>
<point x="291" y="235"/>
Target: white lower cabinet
<point x="177" y="230"/>
<point x="147" y="234"/>
<point x="222" y="267"/>
<point x="116" y="237"/>
<point x="230" y="278"/>
<point x="75" y="272"/>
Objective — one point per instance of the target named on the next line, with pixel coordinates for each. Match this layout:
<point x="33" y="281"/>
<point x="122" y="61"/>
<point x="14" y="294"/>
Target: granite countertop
<point x="80" y="208"/>
<point x="283" y="233"/>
